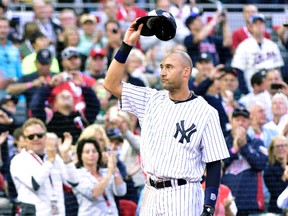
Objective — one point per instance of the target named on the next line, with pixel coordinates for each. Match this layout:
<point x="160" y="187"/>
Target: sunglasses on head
<point x="32" y="136"/>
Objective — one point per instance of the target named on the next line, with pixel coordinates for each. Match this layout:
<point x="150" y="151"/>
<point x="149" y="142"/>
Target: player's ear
<point x="187" y="71"/>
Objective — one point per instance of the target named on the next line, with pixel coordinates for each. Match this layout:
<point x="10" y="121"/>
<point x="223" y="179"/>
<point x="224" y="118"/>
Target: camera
<point x="67" y="77"/>
<point x="276" y="86"/>
<point x="114" y="31"/>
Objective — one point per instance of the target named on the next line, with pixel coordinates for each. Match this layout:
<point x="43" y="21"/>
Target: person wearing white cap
<point x="256" y="53"/>
<point x="244" y="32"/>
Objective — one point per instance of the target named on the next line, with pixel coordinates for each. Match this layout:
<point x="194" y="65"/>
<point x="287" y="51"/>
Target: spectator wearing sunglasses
<point x="39" y="173"/>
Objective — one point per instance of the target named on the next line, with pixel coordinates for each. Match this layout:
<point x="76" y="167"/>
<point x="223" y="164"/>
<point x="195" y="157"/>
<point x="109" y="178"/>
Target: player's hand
<point x="208" y="211"/>
<point x="132" y="35"/>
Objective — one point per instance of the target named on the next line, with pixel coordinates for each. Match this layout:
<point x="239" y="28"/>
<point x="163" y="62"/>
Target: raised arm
<point x="115" y="73"/>
<point x="20" y="87"/>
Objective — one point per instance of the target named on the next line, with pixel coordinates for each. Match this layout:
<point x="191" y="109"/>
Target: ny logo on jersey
<point x="185" y="134"/>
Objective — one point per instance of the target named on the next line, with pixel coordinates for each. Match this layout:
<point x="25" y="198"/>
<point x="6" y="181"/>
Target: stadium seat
<point x="127" y="207"/>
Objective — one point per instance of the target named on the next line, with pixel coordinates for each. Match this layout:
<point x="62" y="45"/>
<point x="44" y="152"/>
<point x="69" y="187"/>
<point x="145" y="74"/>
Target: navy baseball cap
<point x="114" y="133"/>
<point x="44" y="56"/>
<point x="7" y="98"/>
<point x="192" y="17"/>
<point x="241" y="111"/>
<point x="256" y="17"/>
<point x="159" y="23"/>
<point x="205" y="57"/>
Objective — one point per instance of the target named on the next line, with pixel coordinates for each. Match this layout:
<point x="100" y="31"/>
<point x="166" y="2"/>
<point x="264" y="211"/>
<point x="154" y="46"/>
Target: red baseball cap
<point x="97" y="52"/>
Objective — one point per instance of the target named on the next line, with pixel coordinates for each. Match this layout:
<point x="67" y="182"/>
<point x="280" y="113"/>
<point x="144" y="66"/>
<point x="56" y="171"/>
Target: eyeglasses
<point x="280" y="146"/>
<point x="32" y="136"/>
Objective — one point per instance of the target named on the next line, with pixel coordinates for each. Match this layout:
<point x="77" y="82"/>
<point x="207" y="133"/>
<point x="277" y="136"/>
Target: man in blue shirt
<point x="201" y="41"/>
<point x="10" y="61"/>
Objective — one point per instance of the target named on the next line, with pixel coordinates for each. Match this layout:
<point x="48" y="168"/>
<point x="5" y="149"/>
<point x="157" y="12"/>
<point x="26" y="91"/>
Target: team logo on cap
<point x="166" y="14"/>
<point x="45" y="54"/>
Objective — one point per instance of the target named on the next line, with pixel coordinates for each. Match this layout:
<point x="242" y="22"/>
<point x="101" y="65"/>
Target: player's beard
<point x="171" y="87"/>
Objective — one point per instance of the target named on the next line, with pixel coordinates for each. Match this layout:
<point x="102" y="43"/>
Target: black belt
<point x="162" y="184"/>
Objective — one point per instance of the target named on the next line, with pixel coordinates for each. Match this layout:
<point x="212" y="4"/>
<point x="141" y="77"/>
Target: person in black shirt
<point x="28" y="84"/>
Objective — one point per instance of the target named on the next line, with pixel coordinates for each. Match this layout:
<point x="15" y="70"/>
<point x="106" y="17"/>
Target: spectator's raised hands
<point x="112" y="162"/>
<point x="39" y="81"/>
<point x="5" y="119"/>
<point x="216" y="72"/>
<point x="56" y="80"/>
<point x="3" y="137"/>
<point x="77" y="78"/>
<point x="285" y="173"/>
<point x="285" y="130"/>
<point x="284" y="89"/>
<point x="51" y="149"/>
<point x="240" y="136"/>
<point x="64" y="147"/>
<point x="227" y="204"/>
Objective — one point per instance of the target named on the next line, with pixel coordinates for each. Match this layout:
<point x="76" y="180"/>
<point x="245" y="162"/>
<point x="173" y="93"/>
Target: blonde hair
<point x="68" y="31"/>
<point x="34" y="121"/>
<point x="137" y="53"/>
<point x="126" y="117"/>
<point x="271" y="156"/>
<point x="90" y="132"/>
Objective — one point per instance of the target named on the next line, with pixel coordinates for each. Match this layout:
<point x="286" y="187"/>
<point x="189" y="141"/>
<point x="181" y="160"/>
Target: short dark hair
<point x="35" y="36"/>
<point x="257" y="78"/>
<point x="112" y="21"/>
<point x="80" y="147"/>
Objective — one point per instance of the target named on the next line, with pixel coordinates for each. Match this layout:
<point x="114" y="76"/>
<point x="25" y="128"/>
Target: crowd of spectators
<point x="73" y="152"/>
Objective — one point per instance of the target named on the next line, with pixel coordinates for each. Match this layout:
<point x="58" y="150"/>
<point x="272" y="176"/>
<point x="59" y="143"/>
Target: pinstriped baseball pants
<point x="185" y="200"/>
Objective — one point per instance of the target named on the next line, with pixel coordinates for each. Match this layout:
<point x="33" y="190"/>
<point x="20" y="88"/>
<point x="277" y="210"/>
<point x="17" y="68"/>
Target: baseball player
<point x="180" y="134"/>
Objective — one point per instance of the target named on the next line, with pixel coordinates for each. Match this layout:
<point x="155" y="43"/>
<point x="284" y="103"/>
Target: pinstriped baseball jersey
<point x="177" y="138"/>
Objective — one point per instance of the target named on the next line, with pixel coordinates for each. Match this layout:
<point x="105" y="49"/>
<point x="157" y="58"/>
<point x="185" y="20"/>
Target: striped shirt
<point x="177" y="139"/>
